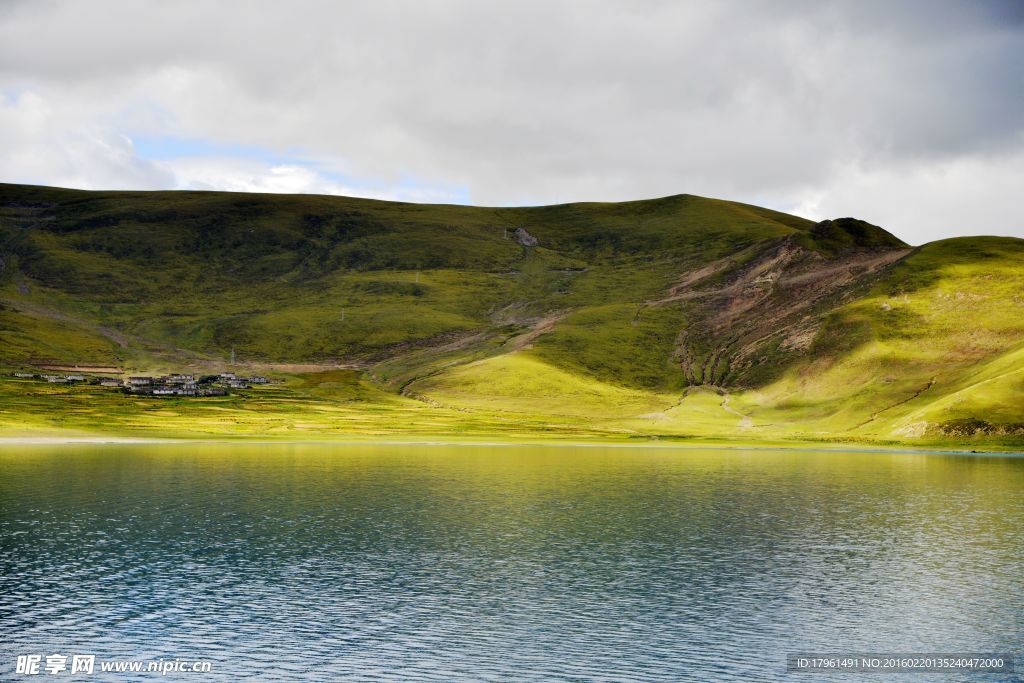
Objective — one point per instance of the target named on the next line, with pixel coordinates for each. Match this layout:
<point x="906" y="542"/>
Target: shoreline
<point x="152" y="441"/>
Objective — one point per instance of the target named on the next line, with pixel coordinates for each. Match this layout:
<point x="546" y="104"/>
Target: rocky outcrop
<point x="524" y="238"/>
<point x="972" y="426"/>
<point x="843" y="235"/>
<point x="751" y="314"/>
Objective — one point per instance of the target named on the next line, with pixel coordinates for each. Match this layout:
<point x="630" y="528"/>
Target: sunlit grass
<point x="429" y="301"/>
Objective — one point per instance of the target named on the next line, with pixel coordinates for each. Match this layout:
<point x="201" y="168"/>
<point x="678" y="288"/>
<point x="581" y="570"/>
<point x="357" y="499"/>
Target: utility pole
<point x="417" y="277"/>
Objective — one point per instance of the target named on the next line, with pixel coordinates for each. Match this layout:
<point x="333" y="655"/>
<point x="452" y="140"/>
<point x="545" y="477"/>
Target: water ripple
<point x="401" y="563"/>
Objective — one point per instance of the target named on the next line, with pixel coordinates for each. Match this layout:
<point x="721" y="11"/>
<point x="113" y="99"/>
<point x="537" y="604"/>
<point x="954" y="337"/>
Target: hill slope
<point x="675" y="316"/>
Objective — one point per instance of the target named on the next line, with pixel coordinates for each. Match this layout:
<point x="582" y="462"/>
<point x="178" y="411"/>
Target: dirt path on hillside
<point x="514" y="343"/>
<point x="118" y="338"/>
<point x="297" y="368"/>
<point x="897" y="404"/>
<point x="540" y="327"/>
<point x="173" y="354"/>
<point x="746" y="422"/>
<point x="846" y="271"/>
<point x="98" y="369"/>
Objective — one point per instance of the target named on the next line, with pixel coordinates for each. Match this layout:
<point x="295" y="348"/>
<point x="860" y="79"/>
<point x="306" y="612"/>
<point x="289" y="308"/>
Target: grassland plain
<point x="675" y="318"/>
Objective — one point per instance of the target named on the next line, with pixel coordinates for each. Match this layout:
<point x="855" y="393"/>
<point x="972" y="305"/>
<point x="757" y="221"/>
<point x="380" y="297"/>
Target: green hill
<point x="675" y="317"/>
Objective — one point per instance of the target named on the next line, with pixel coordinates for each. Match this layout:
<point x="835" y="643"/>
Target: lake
<point x="328" y="562"/>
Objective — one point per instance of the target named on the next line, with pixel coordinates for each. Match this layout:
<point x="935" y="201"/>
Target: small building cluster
<point x="190" y="385"/>
<point x="165" y="385"/>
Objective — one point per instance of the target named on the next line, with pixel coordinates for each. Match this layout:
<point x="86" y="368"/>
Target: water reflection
<point x="526" y="563"/>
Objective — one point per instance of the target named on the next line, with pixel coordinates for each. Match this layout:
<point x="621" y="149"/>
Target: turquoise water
<point x="314" y="562"/>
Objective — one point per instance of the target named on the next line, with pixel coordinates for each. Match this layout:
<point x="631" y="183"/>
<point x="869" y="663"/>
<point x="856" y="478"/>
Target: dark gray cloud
<point x="908" y="114"/>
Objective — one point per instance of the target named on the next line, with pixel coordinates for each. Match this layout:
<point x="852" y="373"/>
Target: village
<point x="177" y="384"/>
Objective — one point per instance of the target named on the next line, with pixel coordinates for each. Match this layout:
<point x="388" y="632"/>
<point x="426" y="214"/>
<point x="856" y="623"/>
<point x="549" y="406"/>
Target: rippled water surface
<point x="505" y="563"/>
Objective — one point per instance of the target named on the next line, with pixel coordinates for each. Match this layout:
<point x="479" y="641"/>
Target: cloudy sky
<point x="906" y="114"/>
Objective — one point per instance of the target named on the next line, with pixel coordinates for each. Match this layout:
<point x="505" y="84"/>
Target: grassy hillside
<point x="680" y="316"/>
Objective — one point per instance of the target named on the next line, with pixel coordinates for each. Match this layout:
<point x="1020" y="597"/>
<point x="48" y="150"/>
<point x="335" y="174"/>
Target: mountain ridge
<point x="676" y="301"/>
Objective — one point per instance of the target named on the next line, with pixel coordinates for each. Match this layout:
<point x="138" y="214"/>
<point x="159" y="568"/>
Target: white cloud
<point x="43" y="142"/>
<point x="61" y="142"/>
<point x="249" y="175"/>
<point x="962" y="196"/>
<point x="245" y="176"/>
